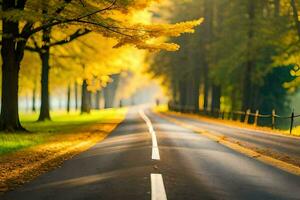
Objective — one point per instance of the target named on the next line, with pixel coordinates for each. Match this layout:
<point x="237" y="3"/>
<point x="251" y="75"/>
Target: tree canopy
<point x="44" y="27"/>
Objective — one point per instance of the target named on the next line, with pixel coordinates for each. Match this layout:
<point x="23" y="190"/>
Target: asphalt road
<point x="186" y="166"/>
<point x="289" y="146"/>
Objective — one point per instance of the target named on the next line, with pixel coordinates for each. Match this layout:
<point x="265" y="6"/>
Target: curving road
<point x="180" y="165"/>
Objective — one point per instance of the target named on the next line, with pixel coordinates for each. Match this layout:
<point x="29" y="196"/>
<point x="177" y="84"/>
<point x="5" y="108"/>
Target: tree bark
<point x="190" y="94"/>
<point x="182" y="95"/>
<point x="85" y="98"/>
<point x="196" y="89"/>
<point x="296" y="17"/>
<point x="277" y="8"/>
<point x="68" y="98"/>
<point x="11" y="57"/>
<point x="110" y="90"/>
<point x="76" y="95"/>
<point x="247" y="86"/>
<point x="45" y="56"/>
<point x="208" y="35"/>
<point x="216" y="97"/>
<point x="174" y="91"/>
<point x="97" y="99"/>
<point x="33" y="108"/>
<point x="234" y="105"/>
<point x="206" y="86"/>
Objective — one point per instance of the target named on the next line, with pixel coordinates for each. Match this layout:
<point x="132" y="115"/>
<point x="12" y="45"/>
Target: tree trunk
<point x="189" y="94"/>
<point x="196" y="89"/>
<point x="233" y="98"/>
<point x="182" y="95"/>
<point x="247" y="88"/>
<point x="206" y="87"/>
<point x="97" y="99"/>
<point x="68" y="98"/>
<point x="76" y="95"/>
<point x="85" y="98"/>
<point x="45" y="56"/>
<point x="9" y="108"/>
<point x="216" y="98"/>
<point x="247" y="85"/>
<point x="277" y="8"/>
<point x="174" y="91"/>
<point x="9" y="118"/>
<point x="33" y="108"/>
<point x="296" y="17"/>
<point x="208" y="35"/>
<point x="110" y="90"/>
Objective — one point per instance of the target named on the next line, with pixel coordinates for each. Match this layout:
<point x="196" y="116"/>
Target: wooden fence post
<point x="273" y="118"/>
<point x="247" y="116"/>
<point x="292" y="121"/>
<point x="256" y="117"/>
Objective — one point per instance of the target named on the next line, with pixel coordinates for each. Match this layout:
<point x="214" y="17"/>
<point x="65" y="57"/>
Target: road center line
<point x="158" y="191"/>
<point x="155" y="150"/>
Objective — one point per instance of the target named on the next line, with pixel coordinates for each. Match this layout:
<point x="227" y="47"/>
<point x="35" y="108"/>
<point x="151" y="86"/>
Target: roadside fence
<point x="244" y="116"/>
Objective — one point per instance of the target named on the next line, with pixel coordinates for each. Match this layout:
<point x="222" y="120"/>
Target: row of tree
<point x="240" y="58"/>
<point x="42" y="26"/>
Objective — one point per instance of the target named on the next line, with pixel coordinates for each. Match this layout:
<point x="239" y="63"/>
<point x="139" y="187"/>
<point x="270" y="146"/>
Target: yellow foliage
<point x="119" y="24"/>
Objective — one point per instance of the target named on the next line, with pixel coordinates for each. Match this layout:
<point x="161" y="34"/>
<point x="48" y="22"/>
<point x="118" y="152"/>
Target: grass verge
<point x="24" y="156"/>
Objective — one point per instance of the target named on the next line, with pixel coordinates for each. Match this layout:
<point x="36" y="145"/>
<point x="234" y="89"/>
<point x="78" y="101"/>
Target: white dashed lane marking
<point x="157" y="187"/>
<point x="155" y="150"/>
<point x="158" y="191"/>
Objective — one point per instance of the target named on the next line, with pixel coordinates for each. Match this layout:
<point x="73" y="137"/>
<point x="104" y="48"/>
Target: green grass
<point x="296" y="131"/>
<point x="13" y="142"/>
<point x="61" y="123"/>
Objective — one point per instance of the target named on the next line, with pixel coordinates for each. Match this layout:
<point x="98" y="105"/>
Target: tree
<point x="110" y="90"/>
<point x="85" y="98"/>
<point x="68" y="98"/>
<point x="87" y="14"/>
<point x="237" y="49"/>
<point x="43" y="48"/>
<point x="296" y="16"/>
<point x="29" y="77"/>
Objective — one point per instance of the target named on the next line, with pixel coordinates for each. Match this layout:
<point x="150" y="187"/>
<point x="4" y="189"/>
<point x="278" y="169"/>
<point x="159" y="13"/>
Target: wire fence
<point x="244" y="116"/>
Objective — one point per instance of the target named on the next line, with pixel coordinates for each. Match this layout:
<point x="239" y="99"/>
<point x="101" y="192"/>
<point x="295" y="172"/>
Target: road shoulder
<point x="230" y="123"/>
<point x="288" y="167"/>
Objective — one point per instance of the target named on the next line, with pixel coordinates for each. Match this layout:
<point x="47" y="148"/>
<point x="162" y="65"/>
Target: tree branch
<point x="81" y="1"/>
<point x="76" y="34"/>
<point x="59" y="10"/>
<point x="36" y="47"/>
<point x="21" y="4"/>
<point x="104" y="26"/>
<point x="45" y="26"/>
<point x="35" y="43"/>
<point x="32" y="49"/>
<point x="26" y="29"/>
